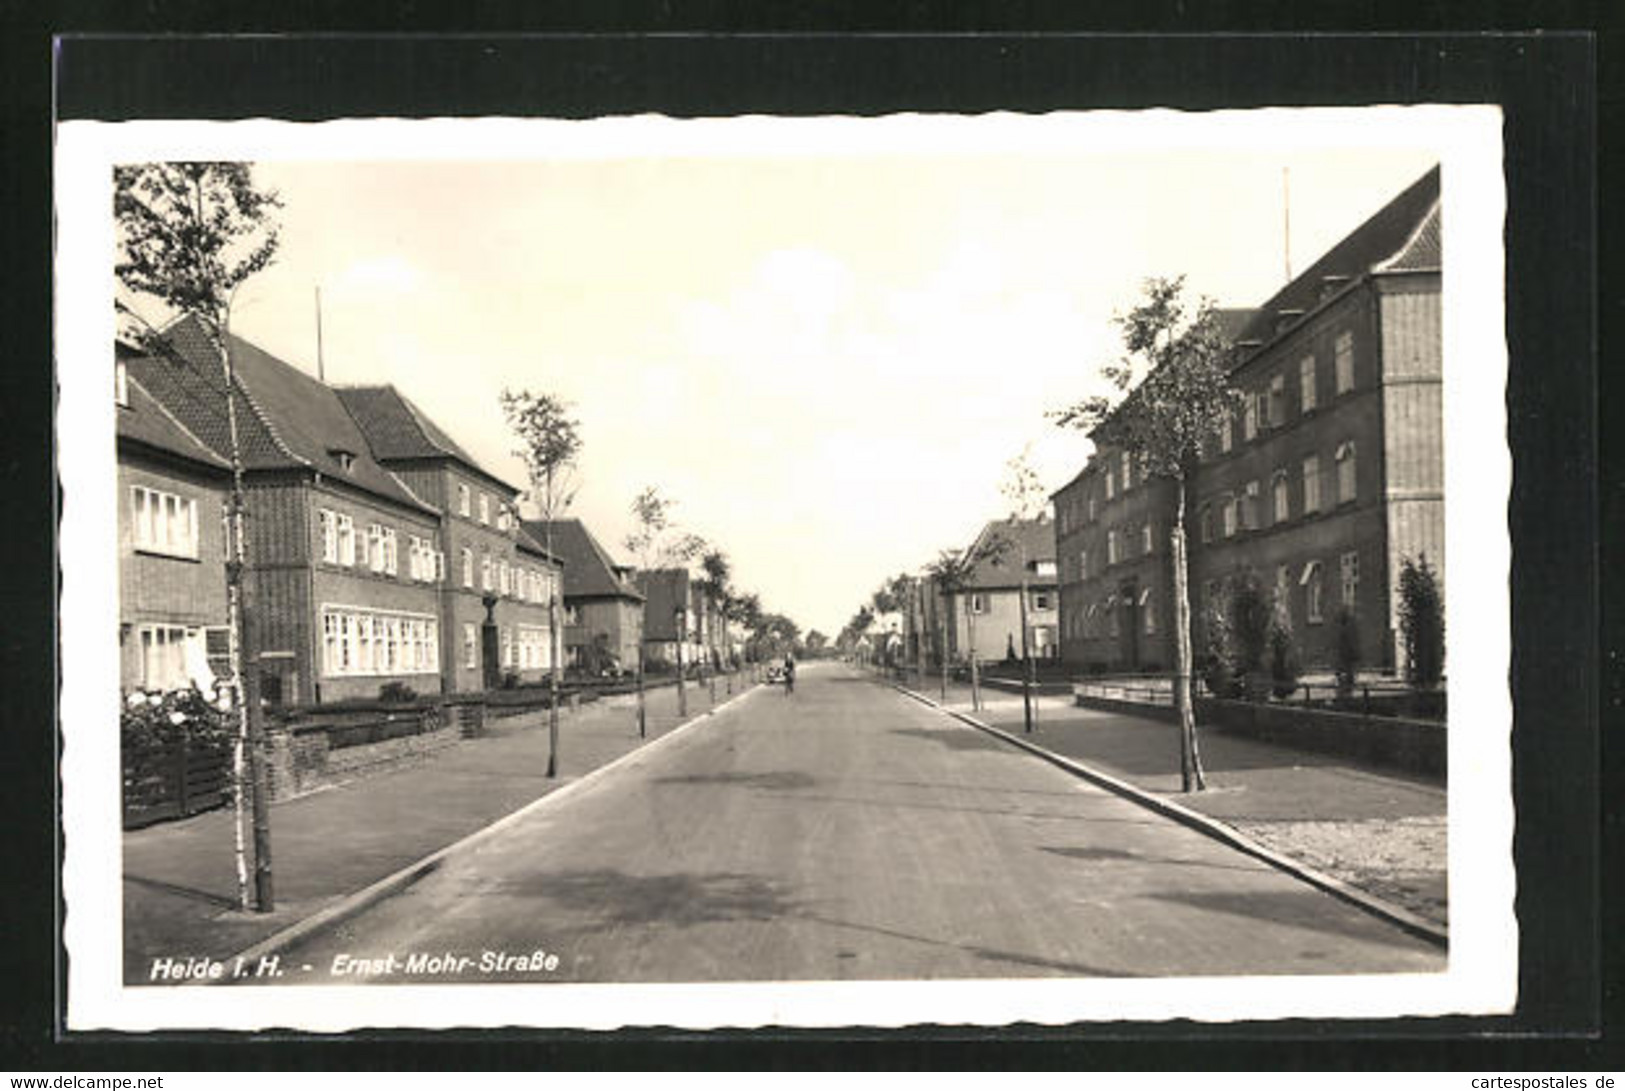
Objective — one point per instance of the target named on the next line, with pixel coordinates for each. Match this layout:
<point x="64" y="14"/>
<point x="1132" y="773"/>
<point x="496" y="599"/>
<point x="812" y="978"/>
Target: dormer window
<point x="345" y="459"/>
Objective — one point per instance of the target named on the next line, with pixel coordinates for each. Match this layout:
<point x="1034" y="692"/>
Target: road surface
<point x="846" y="832"/>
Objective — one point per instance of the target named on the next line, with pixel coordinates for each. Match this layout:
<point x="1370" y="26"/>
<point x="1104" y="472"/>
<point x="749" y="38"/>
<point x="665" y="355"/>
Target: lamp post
<point x="679" y="617"/>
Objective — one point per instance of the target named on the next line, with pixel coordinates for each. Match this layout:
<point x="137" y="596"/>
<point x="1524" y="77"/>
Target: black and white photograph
<point x="751" y="571"/>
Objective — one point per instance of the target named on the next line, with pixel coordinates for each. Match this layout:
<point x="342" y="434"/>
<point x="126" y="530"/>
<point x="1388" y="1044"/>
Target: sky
<point x="826" y="361"/>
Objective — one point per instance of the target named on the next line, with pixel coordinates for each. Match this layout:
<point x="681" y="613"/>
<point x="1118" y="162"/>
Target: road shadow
<point x="219" y="901"/>
<point x="955" y="739"/>
<point x="1142" y="747"/>
<point x="988" y="954"/>
<point x="1307" y="908"/>
<point x="783" y="781"/>
<point x="1101" y="854"/>
<point x="614" y="897"/>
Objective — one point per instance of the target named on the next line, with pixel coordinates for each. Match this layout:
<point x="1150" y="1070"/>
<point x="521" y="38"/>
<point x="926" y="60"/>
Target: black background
<point x="638" y="60"/>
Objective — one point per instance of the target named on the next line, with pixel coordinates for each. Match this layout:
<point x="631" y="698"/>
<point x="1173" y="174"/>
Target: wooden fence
<point x="174" y="780"/>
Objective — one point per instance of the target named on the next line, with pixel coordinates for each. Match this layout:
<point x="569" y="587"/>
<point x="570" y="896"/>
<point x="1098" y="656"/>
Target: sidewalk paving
<point x="1377" y="829"/>
<point x="180" y="893"/>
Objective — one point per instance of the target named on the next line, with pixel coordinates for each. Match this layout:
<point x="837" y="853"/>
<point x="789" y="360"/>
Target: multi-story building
<point x="669" y="616"/>
<point x="172" y="492"/>
<point x="603" y="609"/>
<point x="357" y="579"/>
<point x="484" y="565"/>
<point x="1329" y="475"/>
<point x="1013" y="552"/>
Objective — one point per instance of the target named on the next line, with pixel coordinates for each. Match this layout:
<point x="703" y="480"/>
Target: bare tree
<point x="952" y="572"/>
<point x="1027" y="498"/>
<point x="189" y="235"/>
<point x="1174" y="395"/>
<point x="549" y="444"/>
<point x="658" y="542"/>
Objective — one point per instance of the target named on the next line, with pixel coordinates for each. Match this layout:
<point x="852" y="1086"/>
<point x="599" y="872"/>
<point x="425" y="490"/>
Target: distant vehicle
<point x="775" y="675"/>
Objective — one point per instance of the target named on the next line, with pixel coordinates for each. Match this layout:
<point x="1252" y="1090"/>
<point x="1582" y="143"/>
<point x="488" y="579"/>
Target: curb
<point x="1406" y="920"/>
<point x="368" y="896"/>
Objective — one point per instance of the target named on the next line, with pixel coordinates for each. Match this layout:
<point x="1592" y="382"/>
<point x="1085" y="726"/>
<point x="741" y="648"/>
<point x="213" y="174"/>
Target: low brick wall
<point x="1412" y="746"/>
<point x="310" y="751"/>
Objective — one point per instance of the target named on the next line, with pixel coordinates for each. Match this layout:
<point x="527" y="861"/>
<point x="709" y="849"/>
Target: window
<point x="1249" y="417"/>
<point x="1306" y="383"/>
<point x="1230" y="506"/>
<point x="1283" y="501"/>
<point x="1283" y="585"/>
<point x="1044" y="568"/>
<point x="1127" y="463"/>
<point x="1345" y="473"/>
<point x="1083" y="564"/>
<point x="485" y="508"/>
<point x="462" y="500"/>
<point x="1111" y="485"/>
<point x="330" y="535"/>
<point x="1111" y="617"/>
<point x="485" y="571"/>
<point x="1313" y="606"/>
<point x="165" y="523"/>
<point x="163" y="657"/>
<point x="1091" y="507"/>
<point x="121" y="384"/>
<point x="1043" y="600"/>
<point x="1311" y="484"/>
<point x="1111" y="546"/>
<point x="1277" y="402"/>
<point x="978" y="603"/>
<point x="471" y="646"/>
<point x="1226" y="427"/>
<point x="1148" y="613"/>
<point x="391" y="553"/>
<point x="346" y="527"/>
<point x="1205" y="520"/>
<point x="375" y="547"/>
<point x="1349" y="569"/>
<point x="1146" y="537"/>
<point x="504" y="580"/>
<point x="502" y="516"/>
<point x="507" y="647"/>
<point x="468" y="567"/>
<point x="1343" y="350"/>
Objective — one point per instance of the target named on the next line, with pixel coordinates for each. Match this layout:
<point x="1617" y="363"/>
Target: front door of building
<point x="1128" y="624"/>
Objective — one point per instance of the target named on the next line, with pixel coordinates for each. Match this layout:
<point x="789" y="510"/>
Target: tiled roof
<point x="1422" y="251"/>
<point x="1388" y="232"/>
<point x="1036" y="535"/>
<point x="664" y="589"/>
<point x="397" y="429"/>
<point x="531" y="544"/>
<point x="145" y="421"/>
<point x="286" y="419"/>
<point x="589" y="571"/>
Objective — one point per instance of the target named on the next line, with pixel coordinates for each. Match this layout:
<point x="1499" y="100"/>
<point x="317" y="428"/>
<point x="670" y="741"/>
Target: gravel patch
<point x="1399" y="860"/>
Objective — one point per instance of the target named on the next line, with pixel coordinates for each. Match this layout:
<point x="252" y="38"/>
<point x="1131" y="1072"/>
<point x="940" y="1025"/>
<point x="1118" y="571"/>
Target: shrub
<point x="1218" y="671"/>
<point x="1250" y="622"/>
<point x="1346" y="651"/>
<point x="397" y="693"/>
<point x="1421" y="622"/>
<point x="150" y="724"/>
<point x="510" y="680"/>
<point x="1284" y="667"/>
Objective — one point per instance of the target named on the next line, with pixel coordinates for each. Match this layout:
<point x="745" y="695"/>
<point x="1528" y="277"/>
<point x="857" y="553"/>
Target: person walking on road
<point x="789" y="675"/>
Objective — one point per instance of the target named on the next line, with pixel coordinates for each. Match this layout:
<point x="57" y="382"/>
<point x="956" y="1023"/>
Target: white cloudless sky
<point x="825" y="360"/>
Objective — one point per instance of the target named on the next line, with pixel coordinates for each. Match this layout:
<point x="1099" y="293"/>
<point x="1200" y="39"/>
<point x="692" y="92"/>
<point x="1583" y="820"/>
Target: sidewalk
<point x="1376" y="829"/>
<point x="180" y="892"/>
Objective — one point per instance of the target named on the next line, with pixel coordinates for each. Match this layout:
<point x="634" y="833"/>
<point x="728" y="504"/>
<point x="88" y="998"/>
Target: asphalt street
<point x="845" y="832"/>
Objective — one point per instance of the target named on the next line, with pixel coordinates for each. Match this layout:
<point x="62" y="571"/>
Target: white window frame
<point x="391" y="552"/>
<point x="1343" y="356"/>
<point x="471" y="645"/>
<point x="163" y="653"/>
<point x="1111" y="485"/>
<point x="1147" y="538"/>
<point x="1314" y="593"/>
<point x="1277" y="402"/>
<point x="1281" y="496"/>
<point x="1307" y="389"/>
<point x="1348" y="566"/>
<point x="1348" y="483"/>
<point x="365" y="642"/>
<point x="375" y="546"/>
<point x="1249" y="418"/>
<point x="976" y="602"/>
<point x="468" y="567"/>
<point x="485" y="509"/>
<point x="164" y="523"/>
<point x="1111" y="546"/>
<point x="504" y="577"/>
<point x="486" y="575"/>
<point x="328" y="523"/>
<point x="1227" y="439"/>
<point x="346" y="531"/>
<point x="464" y="503"/>
<point x="1148" y="614"/>
<point x="1227" y="513"/>
<point x="1127" y="471"/>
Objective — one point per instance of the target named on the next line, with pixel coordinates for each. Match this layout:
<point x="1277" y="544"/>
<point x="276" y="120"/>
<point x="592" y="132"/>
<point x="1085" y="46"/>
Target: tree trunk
<point x="975" y="670"/>
<point x="244" y="662"/>
<point x="917" y="608"/>
<point x="1026" y="658"/>
<point x="556" y="668"/>
<point x="944" y="612"/>
<point x="1190" y="758"/>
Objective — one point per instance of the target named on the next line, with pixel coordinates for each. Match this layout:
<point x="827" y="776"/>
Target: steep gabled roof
<point x="1036" y="536"/>
<point x="146" y="422"/>
<point x="664" y="589"/>
<point x="589" y="571"/>
<point x="286" y="419"/>
<point x="531" y="544"/>
<point x="397" y="429"/>
<point x="1385" y="235"/>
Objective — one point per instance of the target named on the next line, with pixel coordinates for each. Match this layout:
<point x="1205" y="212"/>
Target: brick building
<point x="355" y="504"/>
<point x="1330" y="474"/>
<point x="171" y="546"/>
<point x="603" y="608"/>
<point x="482" y="554"/>
<point x="667" y="591"/>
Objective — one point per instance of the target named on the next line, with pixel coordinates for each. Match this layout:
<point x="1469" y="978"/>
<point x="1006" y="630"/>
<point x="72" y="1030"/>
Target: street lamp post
<point x="679" y="617"/>
<point x="1026" y="659"/>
